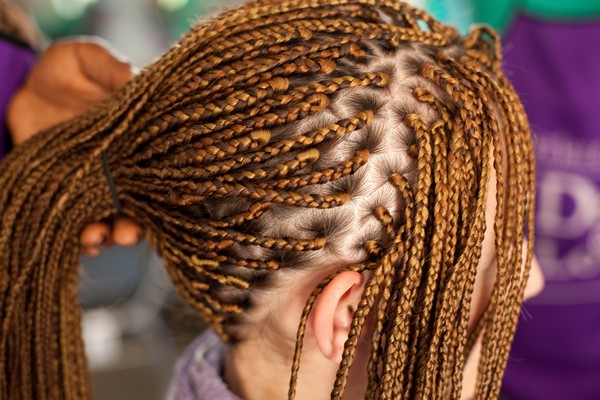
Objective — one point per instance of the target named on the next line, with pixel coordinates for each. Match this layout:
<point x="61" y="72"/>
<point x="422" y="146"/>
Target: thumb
<point x="103" y="65"/>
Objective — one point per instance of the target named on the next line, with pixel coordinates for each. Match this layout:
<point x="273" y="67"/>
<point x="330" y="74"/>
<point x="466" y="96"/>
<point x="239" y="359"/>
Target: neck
<point x="256" y="370"/>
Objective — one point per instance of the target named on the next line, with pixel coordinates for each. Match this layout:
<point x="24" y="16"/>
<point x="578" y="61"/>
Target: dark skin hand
<point x="69" y="78"/>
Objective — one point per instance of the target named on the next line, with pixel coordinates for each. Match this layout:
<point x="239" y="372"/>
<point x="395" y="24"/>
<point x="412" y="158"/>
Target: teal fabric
<point x="456" y="12"/>
<point x="500" y="13"/>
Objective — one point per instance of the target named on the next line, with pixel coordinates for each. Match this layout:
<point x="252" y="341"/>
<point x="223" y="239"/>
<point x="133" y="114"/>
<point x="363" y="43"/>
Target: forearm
<point x="16" y="22"/>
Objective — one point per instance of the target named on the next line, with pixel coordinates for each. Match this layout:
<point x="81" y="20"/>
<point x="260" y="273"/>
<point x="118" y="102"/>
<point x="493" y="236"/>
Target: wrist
<point x="16" y="22"/>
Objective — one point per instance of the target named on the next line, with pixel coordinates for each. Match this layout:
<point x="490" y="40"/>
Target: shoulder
<point x="198" y="371"/>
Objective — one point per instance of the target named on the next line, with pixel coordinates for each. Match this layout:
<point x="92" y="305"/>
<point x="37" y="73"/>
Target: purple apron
<point x="16" y="60"/>
<point x="555" y="68"/>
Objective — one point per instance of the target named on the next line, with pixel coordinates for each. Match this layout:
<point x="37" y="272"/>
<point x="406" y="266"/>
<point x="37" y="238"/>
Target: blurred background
<point x="144" y="29"/>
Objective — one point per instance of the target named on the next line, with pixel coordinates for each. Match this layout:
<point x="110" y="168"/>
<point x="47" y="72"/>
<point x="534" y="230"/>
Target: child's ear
<point x="333" y="310"/>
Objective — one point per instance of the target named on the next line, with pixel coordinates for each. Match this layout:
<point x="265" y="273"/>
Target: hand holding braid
<point x="241" y="124"/>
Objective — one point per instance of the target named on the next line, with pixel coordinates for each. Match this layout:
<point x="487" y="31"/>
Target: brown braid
<point x="247" y="149"/>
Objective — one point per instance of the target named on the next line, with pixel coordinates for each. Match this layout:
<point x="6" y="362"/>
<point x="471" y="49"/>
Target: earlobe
<point x="333" y="312"/>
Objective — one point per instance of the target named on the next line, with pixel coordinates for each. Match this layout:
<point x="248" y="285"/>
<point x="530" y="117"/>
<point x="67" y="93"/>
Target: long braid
<point x="285" y="111"/>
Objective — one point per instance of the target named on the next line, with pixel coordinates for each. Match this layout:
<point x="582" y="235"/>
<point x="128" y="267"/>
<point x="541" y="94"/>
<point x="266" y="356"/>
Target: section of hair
<point x="279" y="136"/>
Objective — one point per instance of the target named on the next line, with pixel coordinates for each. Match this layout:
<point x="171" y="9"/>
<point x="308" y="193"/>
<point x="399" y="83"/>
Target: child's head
<point x="327" y="164"/>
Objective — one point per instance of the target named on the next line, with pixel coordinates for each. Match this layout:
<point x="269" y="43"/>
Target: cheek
<point x="484" y="282"/>
<point x="535" y="283"/>
<point x="482" y="290"/>
<point x="486" y="272"/>
<point x="486" y="267"/>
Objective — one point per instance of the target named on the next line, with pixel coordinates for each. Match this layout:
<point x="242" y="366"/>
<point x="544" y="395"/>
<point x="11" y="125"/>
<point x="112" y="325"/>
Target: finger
<point x="91" y="251"/>
<point x="95" y="235"/>
<point x="103" y="65"/>
<point x="126" y="232"/>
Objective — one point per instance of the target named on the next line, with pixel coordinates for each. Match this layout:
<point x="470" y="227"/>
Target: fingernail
<point x="94" y="252"/>
<point x="102" y="241"/>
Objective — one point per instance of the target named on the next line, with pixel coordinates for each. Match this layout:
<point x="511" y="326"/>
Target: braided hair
<point x="246" y="149"/>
